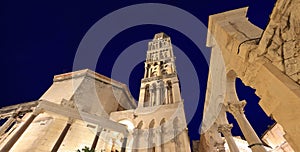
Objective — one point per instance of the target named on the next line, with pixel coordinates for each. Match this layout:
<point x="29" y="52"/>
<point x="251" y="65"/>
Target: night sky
<point x="39" y="39"/>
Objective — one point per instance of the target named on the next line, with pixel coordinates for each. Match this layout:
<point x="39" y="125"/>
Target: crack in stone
<point x="238" y="30"/>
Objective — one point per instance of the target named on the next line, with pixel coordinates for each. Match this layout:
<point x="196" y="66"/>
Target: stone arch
<point x="140" y="125"/>
<point x="152" y="123"/>
<point x="128" y="123"/>
<point x="162" y="121"/>
<point x="235" y="106"/>
<point x="231" y="94"/>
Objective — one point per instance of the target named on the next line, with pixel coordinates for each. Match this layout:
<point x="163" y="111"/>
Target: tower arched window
<point x="170" y="93"/>
<point x="147" y="96"/>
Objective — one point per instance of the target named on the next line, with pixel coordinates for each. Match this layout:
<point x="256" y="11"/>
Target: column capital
<point x="236" y="107"/>
<point x="225" y="129"/>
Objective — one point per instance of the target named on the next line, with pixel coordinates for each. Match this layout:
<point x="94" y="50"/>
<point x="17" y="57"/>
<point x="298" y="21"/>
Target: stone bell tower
<point x="160" y="85"/>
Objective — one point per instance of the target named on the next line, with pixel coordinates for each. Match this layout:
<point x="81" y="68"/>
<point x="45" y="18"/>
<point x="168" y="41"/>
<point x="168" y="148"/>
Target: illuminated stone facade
<point x="84" y="108"/>
<point x="267" y="61"/>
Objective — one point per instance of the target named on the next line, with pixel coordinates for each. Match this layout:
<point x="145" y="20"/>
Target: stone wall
<point x="281" y="40"/>
<point x="266" y="60"/>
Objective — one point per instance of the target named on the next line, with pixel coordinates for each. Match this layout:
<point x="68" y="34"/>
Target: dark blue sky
<point x="39" y="39"/>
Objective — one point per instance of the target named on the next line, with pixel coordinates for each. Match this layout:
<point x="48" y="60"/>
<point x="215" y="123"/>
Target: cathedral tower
<point x="100" y="113"/>
<point x="160" y="85"/>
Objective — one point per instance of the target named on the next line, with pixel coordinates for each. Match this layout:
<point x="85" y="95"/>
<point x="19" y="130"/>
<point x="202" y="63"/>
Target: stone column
<point x="176" y="139"/>
<point x="158" y="96"/>
<point x="124" y="143"/>
<point x="135" y="136"/>
<point x="150" y="140"/>
<point x="159" y="93"/>
<point x="237" y="110"/>
<point x="146" y="71"/>
<point x="150" y="71"/>
<point x="186" y="140"/>
<point x="176" y="92"/>
<point x="172" y="143"/>
<point x="62" y="136"/>
<point x="152" y="91"/>
<point x="158" y="69"/>
<point x="166" y="94"/>
<point x="162" y="137"/>
<point x="99" y="130"/>
<point x="7" y="123"/>
<point x="225" y="129"/>
<point x="143" y="140"/>
<point x="162" y="92"/>
<point x="158" y="136"/>
<point x="10" y="143"/>
<point x="113" y="148"/>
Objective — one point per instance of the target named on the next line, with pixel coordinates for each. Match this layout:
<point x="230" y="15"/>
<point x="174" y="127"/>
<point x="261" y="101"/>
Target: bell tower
<point x="160" y="85"/>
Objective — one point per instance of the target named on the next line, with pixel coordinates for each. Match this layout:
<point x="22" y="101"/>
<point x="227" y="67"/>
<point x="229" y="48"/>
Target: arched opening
<point x="169" y="92"/>
<point x="147" y="96"/>
<point x="254" y="113"/>
<point x="162" y="121"/>
<point x="231" y="94"/>
<point x="250" y="118"/>
<point x="154" y="71"/>
<point x="140" y="125"/>
<point x="164" y="68"/>
<point x="152" y="123"/>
